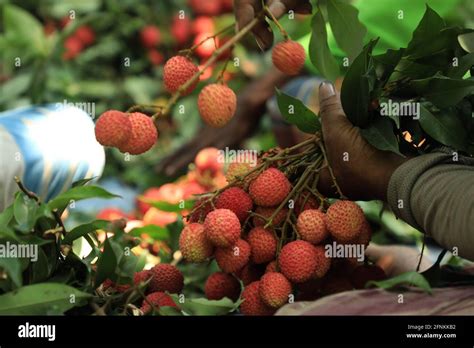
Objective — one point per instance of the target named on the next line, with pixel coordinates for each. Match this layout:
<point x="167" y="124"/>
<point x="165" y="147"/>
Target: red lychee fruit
<point x="323" y="263"/>
<point x="345" y="220"/>
<point x="144" y="135"/>
<point x="155" y="57"/>
<point x="274" y="289"/>
<point x="252" y="302"/>
<point x="109" y="284"/>
<point x="73" y="47"/>
<point x="217" y="104"/>
<point x="177" y="71"/>
<point x="111" y="214"/>
<point x="181" y="29"/>
<point x="306" y="200"/>
<point x="205" y="47"/>
<point x="220" y="285"/>
<point x="202" y="207"/>
<point x="298" y="261"/>
<point x="141" y="277"/>
<point x="150" y="36"/>
<point x="166" y="277"/>
<point x="113" y="128"/>
<point x="263" y="244"/>
<point x="206" y="7"/>
<point x="365" y="273"/>
<point x="209" y="160"/>
<point x="249" y="273"/>
<point x="271" y="267"/>
<point x="237" y="171"/>
<point x="158" y="299"/>
<point x="311" y="226"/>
<point x="203" y="24"/>
<point x="265" y="213"/>
<point x="194" y="245"/>
<point x="270" y="188"/>
<point x="222" y="227"/>
<point x="237" y="200"/>
<point x="233" y="258"/>
<point x="227" y="5"/>
<point x="85" y="34"/>
<point x="289" y="57"/>
<point x="157" y="217"/>
<point x="152" y="194"/>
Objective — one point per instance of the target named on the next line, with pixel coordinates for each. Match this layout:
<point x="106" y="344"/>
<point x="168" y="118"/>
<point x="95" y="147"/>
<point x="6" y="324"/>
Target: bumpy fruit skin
<point x="266" y="212"/>
<point x="271" y="267"/>
<point x="141" y="277"/>
<point x="113" y="128"/>
<point x="220" y="285"/>
<point x="365" y="273"/>
<point x="208" y="160"/>
<point x="201" y="209"/>
<point x="166" y="277"/>
<point x="150" y="36"/>
<point x="297" y="261"/>
<point x="194" y="245"/>
<point x="177" y="71"/>
<point x="222" y="227"/>
<point x="305" y="201"/>
<point x="253" y="303"/>
<point x="270" y="188"/>
<point x="158" y="299"/>
<point x="345" y="220"/>
<point x="236" y="200"/>
<point x="234" y="258"/>
<point x="109" y="284"/>
<point x="323" y="263"/>
<point x="311" y="226"/>
<point x="274" y="289"/>
<point x="237" y="170"/>
<point x="289" y="57"/>
<point x="217" y="104"/>
<point x="263" y="244"/>
<point x="365" y="234"/>
<point x="143" y="136"/>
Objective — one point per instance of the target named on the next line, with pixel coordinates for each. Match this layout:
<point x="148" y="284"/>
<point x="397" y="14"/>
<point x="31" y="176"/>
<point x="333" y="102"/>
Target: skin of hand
<point x="247" y="10"/>
<point x="361" y="171"/>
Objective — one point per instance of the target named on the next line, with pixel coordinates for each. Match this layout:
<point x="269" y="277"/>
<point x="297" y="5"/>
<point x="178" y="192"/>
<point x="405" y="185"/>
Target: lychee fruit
<point x="155" y="57"/>
<point x="85" y="34"/>
<point x="206" y="7"/>
<point x="263" y="214"/>
<point x="323" y="263"/>
<point x="274" y="289"/>
<point x="203" y="24"/>
<point x="298" y="261"/>
<point x="166" y="277"/>
<point x="270" y="188"/>
<point x="220" y="285"/>
<point x="263" y="244"/>
<point x="150" y="36"/>
<point x="306" y="200"/>
<point x="365" y="273"/>
<point x="113" y="128"/>
<point x="157" y="217"/>
<point x="233" y="258"/>
<point x="181" y="29"/>
<point x="249" y="273"/>
<point x="143" y="136"/>
<point x="237" y="200"/>
<point x="222" y="227"/>
<point x="205" y="47"/>
<point x="209" y="160"/>
<point x="217" y="104"/>
<point x="289" y="57"/>
<point x="202" y="207"/>
<point x="311" y="226"/>
<point x="237" y="171"/>
<point x="177" y="71"/>
<point x="193" y="243"/>
<point x="141" y="277"/>
<point x="157" y="299"/>
<point x="345" y="220"/>
<point x="73" y="47"/>
<point x="252" y="302"/>
<point x="271" y="267"/>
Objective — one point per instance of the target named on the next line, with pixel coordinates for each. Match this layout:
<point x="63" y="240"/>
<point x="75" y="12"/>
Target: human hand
<point x="247" y="10"/>
<point x="362" y="172"/>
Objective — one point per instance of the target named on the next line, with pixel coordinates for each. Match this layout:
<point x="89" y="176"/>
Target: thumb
<point x="330" y="109"/>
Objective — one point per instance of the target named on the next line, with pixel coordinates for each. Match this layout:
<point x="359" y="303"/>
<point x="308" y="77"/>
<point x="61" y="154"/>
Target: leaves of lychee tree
<point x="79" y="193"/>
<point x="203" y="306"/>
<point x="296" y="113"/>
<point x="380" y="135"/>
<point x="406" y="279"/>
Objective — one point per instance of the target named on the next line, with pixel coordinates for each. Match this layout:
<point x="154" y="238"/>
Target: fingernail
<point x="327" y="89"/>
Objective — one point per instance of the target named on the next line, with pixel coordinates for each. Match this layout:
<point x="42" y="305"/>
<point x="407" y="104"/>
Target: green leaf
<point x="409" y="278"/>
<point x="358" y="85"/>
<point x="443" y="91"/>
<point x="386" y="63"/>
<point x="41" y="299"/>
<point x="21" y="27"/>
<point x="380" y="135"/>
<point x="107" y="262"/>
<point x="155" y="232"/>
<point x="169" y="311"/>
<point x="84" y="229"/>
<point x="427" y="30"/>
<point x="40" y="268"/>
<point x="296" y="113"/>
<point x="5" y="217"/>
<point x="15" y="87"/>
<point x="168" y="207"/>
<point x="77" y="194"/>
<point x="348" y="31"/>
<point x="12" y="266"/>
<point x="24" y="210"/>
<point x="82" y="182"/>
<point x="466" y="41"/>
<point x="465" y="63"/>
<point x="319" y="52"/>
<point x="203" y="306"/>
<point x="444" y="126"/>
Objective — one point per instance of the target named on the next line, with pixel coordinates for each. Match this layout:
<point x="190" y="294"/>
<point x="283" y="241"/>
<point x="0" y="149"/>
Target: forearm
<point x="436" y="195"/>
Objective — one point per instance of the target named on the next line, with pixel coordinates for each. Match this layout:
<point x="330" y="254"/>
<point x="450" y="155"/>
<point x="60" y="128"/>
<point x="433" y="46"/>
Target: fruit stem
<point x="323" y="150"/>
<point x="27" y="192"/>
<point x="277" y="23"/>
<point x="189" y="51"/>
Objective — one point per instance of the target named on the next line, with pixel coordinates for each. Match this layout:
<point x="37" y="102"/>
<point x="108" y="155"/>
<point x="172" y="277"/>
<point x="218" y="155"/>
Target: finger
<point x="245" y="11"/>
<point x="264" y="35"/>
<point x="330" y="110"/>
<point x="277" y="8"/>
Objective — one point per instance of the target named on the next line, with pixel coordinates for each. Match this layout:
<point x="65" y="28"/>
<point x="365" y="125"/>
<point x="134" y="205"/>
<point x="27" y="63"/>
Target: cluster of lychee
<point x="245" y="228"/>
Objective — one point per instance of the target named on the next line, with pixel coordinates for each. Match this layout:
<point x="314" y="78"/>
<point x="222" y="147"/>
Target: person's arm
<point x="430" y="192"/>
